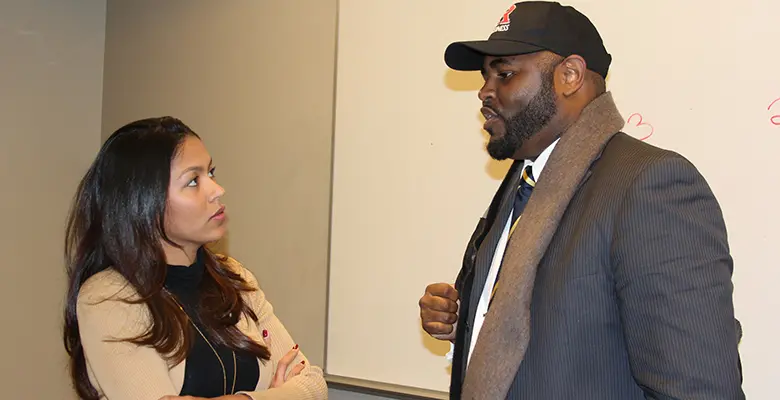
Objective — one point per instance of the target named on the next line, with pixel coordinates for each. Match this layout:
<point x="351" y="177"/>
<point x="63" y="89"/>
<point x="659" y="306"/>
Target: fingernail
<point x="265" y="333"/>
<point x="296" y="347"/>
<point x="303" y="362"/>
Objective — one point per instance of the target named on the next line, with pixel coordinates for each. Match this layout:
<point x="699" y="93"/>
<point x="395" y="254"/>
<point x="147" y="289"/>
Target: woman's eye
<point x="194" y="181"/>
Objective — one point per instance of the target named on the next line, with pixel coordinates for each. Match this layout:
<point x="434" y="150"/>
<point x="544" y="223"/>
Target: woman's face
<point x="194" y="214"/>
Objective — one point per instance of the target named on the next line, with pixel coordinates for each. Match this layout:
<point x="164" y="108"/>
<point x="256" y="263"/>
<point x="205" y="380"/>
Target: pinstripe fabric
<point x="488" y="247"/>
<point x="505" y="334"/>
<point x="635" y="289"/>
<point x="474" y="270"/>
<point x="632" y="297"/>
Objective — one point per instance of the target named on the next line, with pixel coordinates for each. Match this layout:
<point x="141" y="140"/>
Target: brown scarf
<point x="505" y="333"/>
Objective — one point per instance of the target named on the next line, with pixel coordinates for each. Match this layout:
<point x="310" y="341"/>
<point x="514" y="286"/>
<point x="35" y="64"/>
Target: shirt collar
<point x="538" y="165"/>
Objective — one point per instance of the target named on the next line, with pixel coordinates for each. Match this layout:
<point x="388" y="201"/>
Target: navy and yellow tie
<point x="527" y="185"/>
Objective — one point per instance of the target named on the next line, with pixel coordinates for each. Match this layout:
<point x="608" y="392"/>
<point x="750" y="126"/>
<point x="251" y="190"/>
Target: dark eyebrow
<point x="195" y="168"/>
<point x="495" y="64"/>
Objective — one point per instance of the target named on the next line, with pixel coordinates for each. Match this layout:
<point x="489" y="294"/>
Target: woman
<point x="151" y="312"/>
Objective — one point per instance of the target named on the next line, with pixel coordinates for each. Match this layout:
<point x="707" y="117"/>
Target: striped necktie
<point x="527" y="184"/>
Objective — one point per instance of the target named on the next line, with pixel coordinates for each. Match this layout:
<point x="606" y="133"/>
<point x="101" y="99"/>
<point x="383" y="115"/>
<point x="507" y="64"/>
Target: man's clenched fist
<point x="439" y="310"/>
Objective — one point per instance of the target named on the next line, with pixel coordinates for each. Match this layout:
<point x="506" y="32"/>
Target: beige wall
<point x="255" y="79"/>
<point x="51" y="53"/>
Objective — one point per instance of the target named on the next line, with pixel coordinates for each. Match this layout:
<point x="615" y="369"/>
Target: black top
<point x="203" y="375"/>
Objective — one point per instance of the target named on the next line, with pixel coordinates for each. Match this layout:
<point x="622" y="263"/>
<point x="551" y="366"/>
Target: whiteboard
<point x="411" y="176"/>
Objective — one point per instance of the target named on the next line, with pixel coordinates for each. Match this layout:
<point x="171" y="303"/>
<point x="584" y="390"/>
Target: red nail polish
<point x="265" y="333"/>
<point x="296" y="347"/>
<point x="303" y="362"/>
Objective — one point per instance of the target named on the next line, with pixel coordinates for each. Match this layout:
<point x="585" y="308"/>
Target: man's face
<point x="518" y="100"/>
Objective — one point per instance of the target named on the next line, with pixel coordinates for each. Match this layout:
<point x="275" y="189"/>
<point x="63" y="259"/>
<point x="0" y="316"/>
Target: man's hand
<point x="439" y="311"/>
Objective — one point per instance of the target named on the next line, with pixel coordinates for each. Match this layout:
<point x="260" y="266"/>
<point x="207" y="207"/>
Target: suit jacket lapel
<point x="484" y="230"/>
<point x="488" y="246"/>
<point x="505" y="333"/>
<point x="473" y="273"/>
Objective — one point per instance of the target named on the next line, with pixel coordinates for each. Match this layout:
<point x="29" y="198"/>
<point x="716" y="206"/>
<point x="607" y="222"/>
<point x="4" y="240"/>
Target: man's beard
<point x="526" y="123"/>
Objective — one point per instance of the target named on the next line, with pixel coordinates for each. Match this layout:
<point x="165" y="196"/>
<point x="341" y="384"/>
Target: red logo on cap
<point x="505" y="19"/>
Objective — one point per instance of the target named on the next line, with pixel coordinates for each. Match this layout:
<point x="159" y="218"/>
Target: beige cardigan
<point x="123" y="371"/>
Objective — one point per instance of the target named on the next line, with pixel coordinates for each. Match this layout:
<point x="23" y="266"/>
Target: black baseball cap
<point x="532" y="26"/>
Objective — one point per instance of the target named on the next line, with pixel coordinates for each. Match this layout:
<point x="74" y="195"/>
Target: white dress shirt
<point x="536" y="168"/>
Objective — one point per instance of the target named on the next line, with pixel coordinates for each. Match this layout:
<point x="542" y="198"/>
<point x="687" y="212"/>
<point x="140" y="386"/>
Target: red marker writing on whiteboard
<point x="775" y="119"/>
<point x="637" y="117"/>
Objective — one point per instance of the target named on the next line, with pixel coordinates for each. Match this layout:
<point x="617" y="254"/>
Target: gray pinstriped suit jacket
<point x="625" y="262"/>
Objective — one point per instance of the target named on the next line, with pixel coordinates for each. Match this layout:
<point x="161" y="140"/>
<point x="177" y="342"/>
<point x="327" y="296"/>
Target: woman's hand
<point x="281" y="368"/>
<point x="278" y="380"/>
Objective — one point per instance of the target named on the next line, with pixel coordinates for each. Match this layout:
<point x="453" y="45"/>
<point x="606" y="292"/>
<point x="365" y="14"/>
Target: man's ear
<point x="572" y="74"/>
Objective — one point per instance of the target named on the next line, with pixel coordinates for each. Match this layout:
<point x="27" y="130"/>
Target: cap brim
<point x="469" y="56"/>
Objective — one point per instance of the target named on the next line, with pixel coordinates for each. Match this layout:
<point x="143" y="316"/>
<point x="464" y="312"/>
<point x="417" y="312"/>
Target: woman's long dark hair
<point x="116" y="221"/>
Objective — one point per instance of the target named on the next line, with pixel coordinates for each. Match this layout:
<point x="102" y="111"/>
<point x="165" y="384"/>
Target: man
<point x="615" y="280"/>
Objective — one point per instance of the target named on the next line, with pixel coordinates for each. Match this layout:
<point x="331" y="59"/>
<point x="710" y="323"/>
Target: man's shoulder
<point x="625" y="154"/>
<point x="626" y="160"/>
<point x="623" y="145"/>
